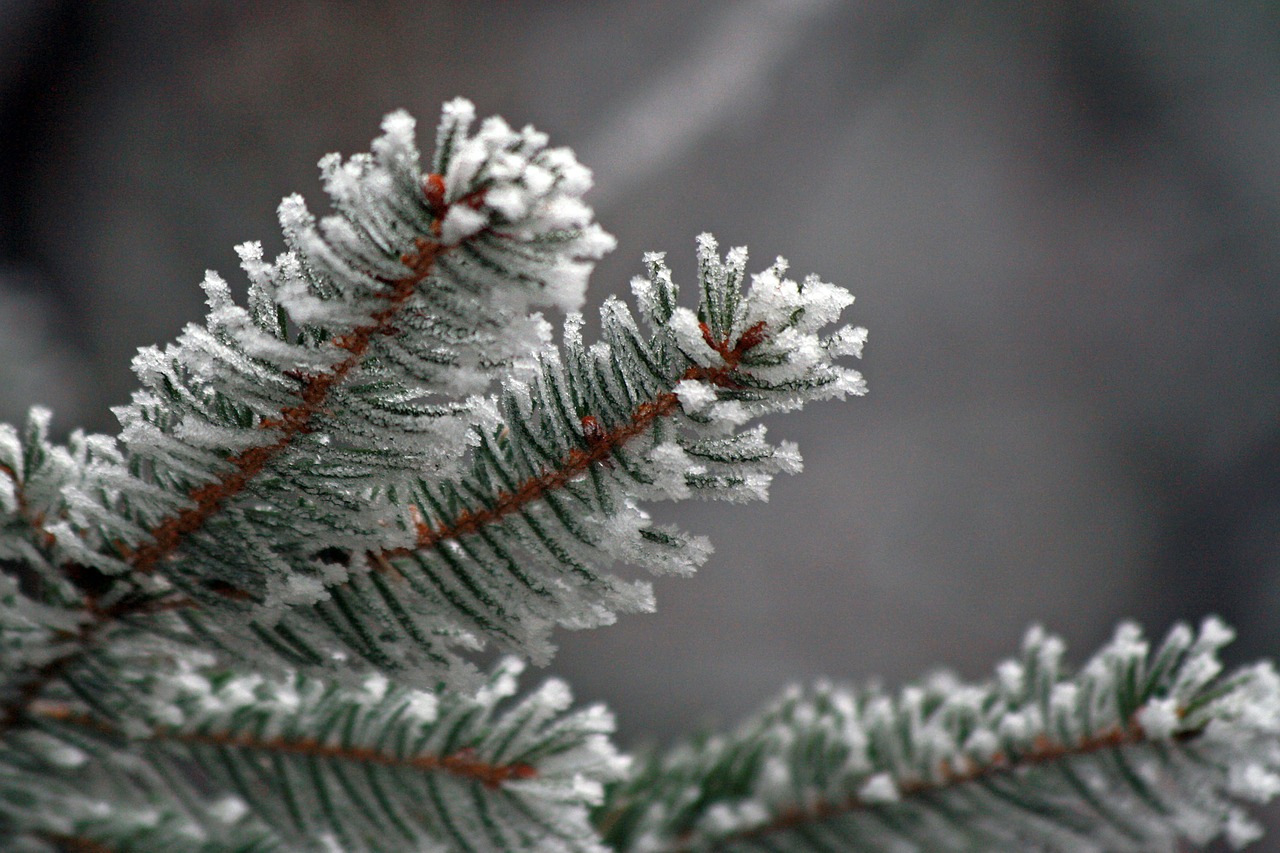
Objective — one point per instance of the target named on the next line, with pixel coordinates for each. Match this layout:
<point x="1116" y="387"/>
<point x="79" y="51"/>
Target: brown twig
<point x="1043" y="751"/>
<point x="291" y="421"/>
<point x="207" y="500"/>
<point x="464" y="764"/>
<point x="601" y="444"/>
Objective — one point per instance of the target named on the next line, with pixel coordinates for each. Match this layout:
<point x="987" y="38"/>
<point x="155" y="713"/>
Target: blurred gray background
<point x="1059" y="219"/>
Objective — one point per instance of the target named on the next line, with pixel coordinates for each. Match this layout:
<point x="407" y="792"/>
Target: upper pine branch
<point x="312" y="477"/>
<point x="270" y="434"/>
<point x="359" y="344"/>
<point x="313" y="393"/>
<point x="523" y="540"/>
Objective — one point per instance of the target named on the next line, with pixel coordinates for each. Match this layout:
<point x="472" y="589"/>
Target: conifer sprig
<point x="524" y="540"/>
<point x="286" y="427"/>
<point x="1136" y="750"/>
<point x="244" y="624"/>
<point x="351" y="366"/>
<point x="373" y="767"/>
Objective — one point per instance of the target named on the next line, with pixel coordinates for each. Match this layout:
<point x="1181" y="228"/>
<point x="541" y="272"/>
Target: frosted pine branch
<point x="285" y="427"/>
<point x="351" y="368"/>
<point x="1136" y="750"/>
<point x="373" y="768"/>
<point x="246" y="624"/>
<point x="523" y="541"/>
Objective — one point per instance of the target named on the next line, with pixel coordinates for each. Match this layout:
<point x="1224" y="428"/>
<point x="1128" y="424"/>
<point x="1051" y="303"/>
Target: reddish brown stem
<point x="1043" y="751"/>
<point x="463" y="763"/>
<point x="291" y="421"/>
<point x="207" y="500"/>
<point x="601" y="445"/>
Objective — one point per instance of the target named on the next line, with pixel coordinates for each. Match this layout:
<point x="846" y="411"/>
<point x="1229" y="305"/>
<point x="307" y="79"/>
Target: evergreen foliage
<point x="247" y="623"/>
<point x="1135" y="751"/>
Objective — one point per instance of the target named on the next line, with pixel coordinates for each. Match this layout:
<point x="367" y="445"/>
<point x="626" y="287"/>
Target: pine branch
<point x="1001" y="768"/>
<point x="523" y="540"/>
<point x="34" y="478"/>
<point x="46" y="609"/>
<point x="295" y="420"/>
<point x="1133" y="752"/>
<point x="602" y="444"/>
<point x="462" y="763"/>
<point x="346" y="339"/>
<point x="353" y="293"/>
<point x="320" y="486"/>
<point x="373" y="768"/>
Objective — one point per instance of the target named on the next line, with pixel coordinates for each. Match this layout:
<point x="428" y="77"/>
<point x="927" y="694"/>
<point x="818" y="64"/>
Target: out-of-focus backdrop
<point x="1060" y="219"/>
